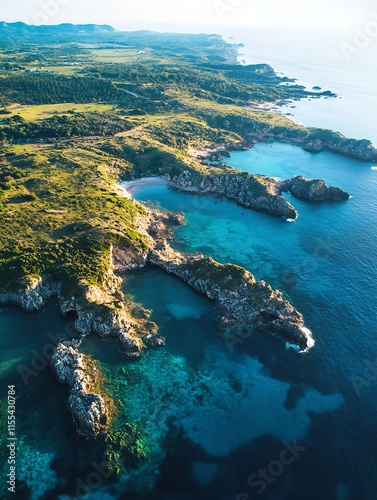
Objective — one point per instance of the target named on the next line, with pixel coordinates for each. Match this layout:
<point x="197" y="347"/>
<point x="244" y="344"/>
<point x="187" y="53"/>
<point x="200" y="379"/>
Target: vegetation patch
<point x="124" y="448"/>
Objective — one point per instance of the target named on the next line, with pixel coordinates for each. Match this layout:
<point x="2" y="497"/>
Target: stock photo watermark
<point x="11" y="439"/>
<point x="236" y="336"/>
<point x="47" y="11"/>
<point x="324" y="250"/>
<point x="362" y="38"/>
<point x="225" y="7"/>
<point x="93" y="480"/>
<point x="367" y="378"/>
<point x="259" y="480"/>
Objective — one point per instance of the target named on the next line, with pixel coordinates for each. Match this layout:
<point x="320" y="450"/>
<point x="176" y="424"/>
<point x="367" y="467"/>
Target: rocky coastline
<point x="258" y="192"/>
<point x="239" y="299"/>
<point x="360" y="149"/>
<point x="314" y="140"/>
<point x="103" y="311"/>
<point x="247" y="190"/>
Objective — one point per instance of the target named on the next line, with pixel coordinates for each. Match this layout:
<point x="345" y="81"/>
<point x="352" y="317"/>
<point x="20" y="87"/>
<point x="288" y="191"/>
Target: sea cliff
<point x="250" y="191"/>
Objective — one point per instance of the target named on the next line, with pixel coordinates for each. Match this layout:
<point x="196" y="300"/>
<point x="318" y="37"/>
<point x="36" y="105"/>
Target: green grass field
<point x="34" y="113"/>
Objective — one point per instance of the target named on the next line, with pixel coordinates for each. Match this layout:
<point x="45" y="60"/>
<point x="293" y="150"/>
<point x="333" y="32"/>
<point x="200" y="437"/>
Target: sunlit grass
<point x="33" y="113"/>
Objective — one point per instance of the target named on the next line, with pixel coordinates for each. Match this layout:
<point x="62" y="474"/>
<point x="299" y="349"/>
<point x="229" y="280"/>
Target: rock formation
<point x="31" y="294"/>
<point x="312" y="189"/>
<point x="239" y="298"/>
<point x="359" y="149"/>
<point x="88" y="409"/>
<point x="250" y="191"/>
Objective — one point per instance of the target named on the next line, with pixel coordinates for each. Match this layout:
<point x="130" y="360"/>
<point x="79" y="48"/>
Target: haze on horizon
<point x="196" y="15"/>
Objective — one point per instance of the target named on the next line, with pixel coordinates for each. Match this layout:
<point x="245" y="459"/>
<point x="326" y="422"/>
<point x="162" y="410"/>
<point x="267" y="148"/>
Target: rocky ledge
<point x="90" y="414"/>
<point x="101" y="310"/>
<point x="31" y="294"/>
<point x="250" y="191"/>
<point x="240" y="299"/>
<point x="312" y="189"/>
<point x="311" y="139"/>
<point x="360" y="149"/>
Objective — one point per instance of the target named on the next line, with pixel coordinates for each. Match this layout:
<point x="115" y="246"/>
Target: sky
<point x="196" y="15"/>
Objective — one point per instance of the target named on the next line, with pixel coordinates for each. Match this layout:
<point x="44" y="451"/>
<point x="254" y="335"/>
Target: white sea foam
<point x="310" y="340"/>
<point x="373" y="168"/>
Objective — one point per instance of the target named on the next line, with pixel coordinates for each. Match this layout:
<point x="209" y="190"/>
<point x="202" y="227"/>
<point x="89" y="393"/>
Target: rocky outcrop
<point x="88" y="409"/>
<point x="318" y="140"/>
<point x="251" y="191"/>
<point x="359" y="149"/>
<point x="31" y="294"/>
<point x="126" y="259"/>
<point x="312" y="189"/>
<point x="103" y="311"/>
<point x="239" y="298"/>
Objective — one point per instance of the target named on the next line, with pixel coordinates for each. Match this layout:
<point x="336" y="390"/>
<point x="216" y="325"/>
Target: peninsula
<point x="83" y="108"/>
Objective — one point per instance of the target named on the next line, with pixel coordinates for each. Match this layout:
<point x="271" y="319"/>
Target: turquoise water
<point x="25" y="346"/>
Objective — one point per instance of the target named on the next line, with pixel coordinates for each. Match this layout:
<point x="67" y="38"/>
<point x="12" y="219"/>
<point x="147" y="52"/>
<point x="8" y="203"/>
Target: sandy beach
<point x="130" y="187"/>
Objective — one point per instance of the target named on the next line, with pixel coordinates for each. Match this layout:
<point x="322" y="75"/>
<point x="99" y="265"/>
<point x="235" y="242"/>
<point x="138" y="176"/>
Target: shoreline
<point x="128" y="188"/>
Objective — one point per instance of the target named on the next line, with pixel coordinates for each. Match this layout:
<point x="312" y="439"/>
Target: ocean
<point x="324" y="60"/>
<point x="229" y="419"/>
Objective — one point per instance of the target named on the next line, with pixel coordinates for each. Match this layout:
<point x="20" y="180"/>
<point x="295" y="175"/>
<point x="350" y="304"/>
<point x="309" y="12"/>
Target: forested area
<point x="45" y="88"/>
<point x="66" y="125"/>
